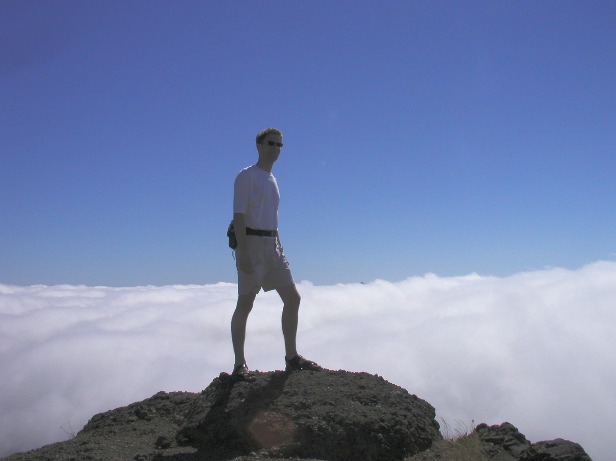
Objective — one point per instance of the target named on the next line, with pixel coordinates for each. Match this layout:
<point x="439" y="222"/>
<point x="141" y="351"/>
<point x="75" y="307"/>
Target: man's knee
<point x="290" y="296"/>
<point x="244" y="304"/>
<point x="296" y="299"/>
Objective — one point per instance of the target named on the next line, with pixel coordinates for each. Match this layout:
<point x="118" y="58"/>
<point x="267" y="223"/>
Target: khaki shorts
<point x="270" y="268"/>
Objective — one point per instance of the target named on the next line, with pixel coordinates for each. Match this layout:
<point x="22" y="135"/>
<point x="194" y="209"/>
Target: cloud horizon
<point x="533" y="348"/>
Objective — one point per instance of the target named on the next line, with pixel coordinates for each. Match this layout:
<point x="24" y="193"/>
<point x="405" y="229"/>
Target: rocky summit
<point x="308" y="415"/>
<point x="324" y="414"/>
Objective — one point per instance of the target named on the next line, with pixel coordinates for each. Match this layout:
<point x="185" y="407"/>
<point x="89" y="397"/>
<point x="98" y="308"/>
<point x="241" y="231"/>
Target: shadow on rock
<point x="231" y="418"/>
<point x="331" y="415"/>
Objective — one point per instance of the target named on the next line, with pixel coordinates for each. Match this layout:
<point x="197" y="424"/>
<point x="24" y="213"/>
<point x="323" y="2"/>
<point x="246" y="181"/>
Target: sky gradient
<point x="420" y="137"/>
<point x="447" y="202"/>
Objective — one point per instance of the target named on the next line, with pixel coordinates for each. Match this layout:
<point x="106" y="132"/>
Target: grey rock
<point x="502" y="442"/>
<point x="308" y="416"/>
<point x="561" y="450"/>
<point x="332" y="415"/>
<point x="505" y="443"/>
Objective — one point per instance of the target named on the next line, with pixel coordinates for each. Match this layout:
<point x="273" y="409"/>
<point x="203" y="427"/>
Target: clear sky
<point x="447" y="137"/>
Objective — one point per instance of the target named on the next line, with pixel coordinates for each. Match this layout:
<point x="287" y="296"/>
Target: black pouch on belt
<point x="231" y="235"/>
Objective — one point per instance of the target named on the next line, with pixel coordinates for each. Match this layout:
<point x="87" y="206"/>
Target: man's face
<point x="269" y="149"/>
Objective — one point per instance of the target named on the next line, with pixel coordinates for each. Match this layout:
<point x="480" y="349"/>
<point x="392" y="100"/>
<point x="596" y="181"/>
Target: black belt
<point x="261" y="233"/>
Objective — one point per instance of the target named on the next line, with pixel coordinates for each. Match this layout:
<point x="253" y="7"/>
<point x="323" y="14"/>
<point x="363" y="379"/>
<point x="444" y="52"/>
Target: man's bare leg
<point x="290" y="313"/>
<point x="238" y="326"/>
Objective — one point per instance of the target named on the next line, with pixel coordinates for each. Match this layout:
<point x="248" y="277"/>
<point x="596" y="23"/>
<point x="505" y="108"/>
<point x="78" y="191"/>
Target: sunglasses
<point x="272" y="143"/>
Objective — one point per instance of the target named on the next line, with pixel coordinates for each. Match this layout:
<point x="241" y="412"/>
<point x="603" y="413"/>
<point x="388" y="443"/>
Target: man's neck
<point x="265" y="166"/>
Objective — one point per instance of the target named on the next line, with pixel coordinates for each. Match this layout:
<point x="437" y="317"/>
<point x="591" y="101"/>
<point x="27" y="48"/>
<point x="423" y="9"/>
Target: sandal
<point x="300" y="363"/>
<point x="242" y="372"/>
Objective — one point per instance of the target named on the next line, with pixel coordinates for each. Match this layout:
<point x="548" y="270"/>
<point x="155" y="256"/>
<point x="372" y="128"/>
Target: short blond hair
<point x="263" y="133"/>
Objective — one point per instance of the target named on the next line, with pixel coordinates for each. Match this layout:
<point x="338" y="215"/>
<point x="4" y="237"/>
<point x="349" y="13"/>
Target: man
<point x="259" y="256"/>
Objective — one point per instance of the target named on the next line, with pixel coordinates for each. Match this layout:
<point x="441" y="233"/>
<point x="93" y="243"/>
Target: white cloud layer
<point x="535" y="349"/>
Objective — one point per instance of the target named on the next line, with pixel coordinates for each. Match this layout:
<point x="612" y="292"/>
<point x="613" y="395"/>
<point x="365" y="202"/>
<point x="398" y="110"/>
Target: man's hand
<point x="244" y="262"/>
<point x="241" y="252"/>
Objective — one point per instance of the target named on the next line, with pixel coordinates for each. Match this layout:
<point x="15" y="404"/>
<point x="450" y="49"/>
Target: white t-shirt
<point x="256" y="196"/>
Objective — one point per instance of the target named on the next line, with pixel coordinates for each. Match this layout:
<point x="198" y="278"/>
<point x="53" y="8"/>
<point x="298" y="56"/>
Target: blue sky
<point x="446" y="137"/>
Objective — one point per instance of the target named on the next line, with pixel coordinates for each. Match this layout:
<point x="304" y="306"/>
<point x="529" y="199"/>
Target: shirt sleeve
<point x="241" y="192"/>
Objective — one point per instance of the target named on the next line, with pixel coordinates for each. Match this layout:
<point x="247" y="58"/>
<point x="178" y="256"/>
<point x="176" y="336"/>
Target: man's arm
<point x="241" y="252"/>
